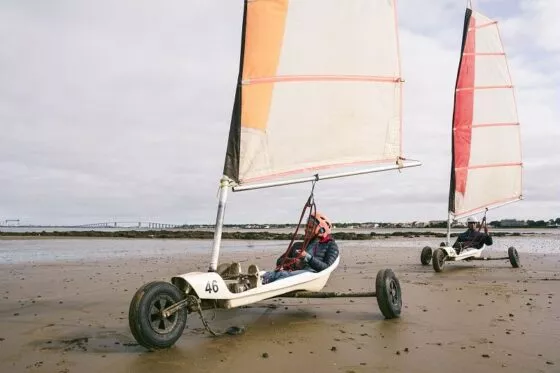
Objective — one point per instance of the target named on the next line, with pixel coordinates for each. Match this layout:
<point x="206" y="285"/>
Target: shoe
<point x="254" y="276"/>
<point x="237" y="288"/>
<point x="222" y="268"/>
<point x="232" y="270"/>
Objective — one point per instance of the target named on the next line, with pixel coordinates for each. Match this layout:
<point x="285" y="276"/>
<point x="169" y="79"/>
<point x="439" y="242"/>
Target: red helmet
<point x="322" y="224"/>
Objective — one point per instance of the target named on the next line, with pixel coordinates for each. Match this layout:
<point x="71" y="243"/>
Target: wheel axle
<point x="326" y="294"/>
<point x="487" y="258"/>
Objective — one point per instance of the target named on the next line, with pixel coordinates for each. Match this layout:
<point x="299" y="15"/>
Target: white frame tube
<point x="331" y="176"/>
<point x="224" y="185"/>
<point x="449" y="217"/>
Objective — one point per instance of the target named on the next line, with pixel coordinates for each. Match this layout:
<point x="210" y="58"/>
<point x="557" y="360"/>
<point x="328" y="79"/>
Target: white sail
<point x="319" y="88"/>
<point x="486" y="163"/>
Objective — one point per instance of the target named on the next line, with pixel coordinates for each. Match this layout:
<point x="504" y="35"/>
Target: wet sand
<point x="480" y="316"/>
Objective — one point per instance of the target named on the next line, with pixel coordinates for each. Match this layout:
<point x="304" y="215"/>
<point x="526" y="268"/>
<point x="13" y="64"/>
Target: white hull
<point x="210" y="285"/>
<point x="465" y="254"/>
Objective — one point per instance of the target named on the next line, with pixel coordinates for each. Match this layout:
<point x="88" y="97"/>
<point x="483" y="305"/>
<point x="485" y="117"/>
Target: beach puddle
<point x="105" y="342"/>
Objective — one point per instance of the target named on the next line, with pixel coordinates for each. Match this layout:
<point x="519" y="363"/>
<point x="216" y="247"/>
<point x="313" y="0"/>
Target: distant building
<point x="437" y="222"/>
<point x="512" y="223"/>
<point x="458" y="224"/>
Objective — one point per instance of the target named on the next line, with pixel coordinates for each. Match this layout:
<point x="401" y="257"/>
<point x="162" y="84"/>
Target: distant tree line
<point x="504" y="223"/>
<point x="256" y="235"/>
<point x="526" y="223"/>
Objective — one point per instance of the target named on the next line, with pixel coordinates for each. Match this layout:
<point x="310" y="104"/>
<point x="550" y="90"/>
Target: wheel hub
<point x="393" y="293"/>
<point x="159" y="323"/>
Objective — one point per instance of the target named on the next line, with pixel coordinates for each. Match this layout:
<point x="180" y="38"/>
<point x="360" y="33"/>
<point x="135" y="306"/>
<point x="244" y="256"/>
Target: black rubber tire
<point x="514" y="257"/>
<point x="148" y="329"/>
<point x="438" y="259"/>
<point x="388" y="293"/>
<point x="426" y="256"/>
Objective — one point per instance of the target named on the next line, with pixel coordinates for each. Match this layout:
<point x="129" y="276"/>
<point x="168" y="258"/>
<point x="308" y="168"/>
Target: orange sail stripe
<point x="263" y="44"/>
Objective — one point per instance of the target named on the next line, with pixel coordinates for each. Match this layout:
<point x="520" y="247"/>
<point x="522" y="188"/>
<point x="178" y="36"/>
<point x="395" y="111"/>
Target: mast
<point x="231" y="163"/>
<point x="224" y="186"/>
<point x="449" y="217"/>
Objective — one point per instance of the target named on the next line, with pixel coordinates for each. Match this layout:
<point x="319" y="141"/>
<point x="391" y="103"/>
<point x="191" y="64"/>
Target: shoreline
<point x="238" y="235"/>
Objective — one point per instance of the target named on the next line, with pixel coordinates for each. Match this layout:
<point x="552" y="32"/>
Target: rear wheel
<point x="513" y="257"/>
<point x="388" y="293"/>
<point x="148" y="325"/>
<point x="426" y="256"/>
<point x="438" y="259"/>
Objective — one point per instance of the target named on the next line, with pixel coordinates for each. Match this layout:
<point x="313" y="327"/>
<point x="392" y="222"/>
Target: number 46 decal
<point x="212" y="287"/>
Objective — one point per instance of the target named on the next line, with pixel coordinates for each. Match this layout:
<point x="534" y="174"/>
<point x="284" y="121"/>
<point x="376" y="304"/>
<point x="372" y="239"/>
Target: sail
<point x="319" y="88"/>
<point x="486" y="142"/>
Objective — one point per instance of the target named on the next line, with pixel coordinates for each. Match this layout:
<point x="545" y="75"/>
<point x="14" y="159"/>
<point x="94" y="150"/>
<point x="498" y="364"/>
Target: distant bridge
<point x="109" y="224"/>
<point x="128" y="224"/>
<point x="10" y="222"/>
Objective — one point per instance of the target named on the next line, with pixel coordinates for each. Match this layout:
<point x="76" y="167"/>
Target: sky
<point x="120" y="110"/>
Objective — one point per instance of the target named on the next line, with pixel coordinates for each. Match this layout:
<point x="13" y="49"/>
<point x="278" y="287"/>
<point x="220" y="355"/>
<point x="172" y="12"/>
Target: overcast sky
<point x="120" y="110"/>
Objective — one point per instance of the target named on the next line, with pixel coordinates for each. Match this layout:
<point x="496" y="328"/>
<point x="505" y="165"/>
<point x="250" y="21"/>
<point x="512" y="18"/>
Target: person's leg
<point x="273" y="275"/>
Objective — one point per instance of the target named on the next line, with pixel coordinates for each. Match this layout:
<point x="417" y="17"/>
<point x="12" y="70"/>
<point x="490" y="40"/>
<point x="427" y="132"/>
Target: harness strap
<point x="483" y="222"/>
<point x="287" y="262"/>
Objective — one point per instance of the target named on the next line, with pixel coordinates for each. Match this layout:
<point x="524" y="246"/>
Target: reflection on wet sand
<point x="72" y="316"/>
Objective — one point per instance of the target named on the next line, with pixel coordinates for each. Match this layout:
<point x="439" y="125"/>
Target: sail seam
<point x="485" y="54"/>
<point x="497" y="124"/>
<point x="490" y="166"/>
<point x="307" y="78"/>
<point x="483" y="25"/>
<point x="484" y="87"/>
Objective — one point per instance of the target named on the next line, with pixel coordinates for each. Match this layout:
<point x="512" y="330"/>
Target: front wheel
<point x="438" y="259"/>
<point x="388" y="293"/>
<point x="426" y="256"/>
<point x="513" y="257"/>
<point x="147" y="323"/>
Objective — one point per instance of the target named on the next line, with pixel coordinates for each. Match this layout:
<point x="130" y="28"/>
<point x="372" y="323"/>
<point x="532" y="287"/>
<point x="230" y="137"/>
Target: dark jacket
<point x="473" y="238"/>
<point x="322" y="253"/>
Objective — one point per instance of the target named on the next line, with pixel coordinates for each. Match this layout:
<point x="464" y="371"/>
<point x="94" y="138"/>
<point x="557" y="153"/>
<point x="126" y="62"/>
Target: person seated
<point x="471" y="237"/>
<point x="319" y="254"/>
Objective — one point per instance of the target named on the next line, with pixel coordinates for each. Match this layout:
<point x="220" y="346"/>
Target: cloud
<point x="121" y="110"/>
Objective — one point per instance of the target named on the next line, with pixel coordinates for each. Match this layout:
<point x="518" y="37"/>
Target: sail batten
<point x="474" y="167"/>
<point x="486" y="141"/>
<point x="323" y="78"/>
<point x="316" y="92"/>
<point x="486" y="125"/>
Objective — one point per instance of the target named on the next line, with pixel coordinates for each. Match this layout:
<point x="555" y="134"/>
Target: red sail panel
<point x="464" y="104"/>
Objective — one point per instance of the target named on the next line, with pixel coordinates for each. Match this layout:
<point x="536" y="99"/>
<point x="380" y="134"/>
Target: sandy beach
<point x="72" y="316"/>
